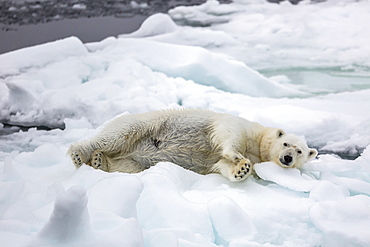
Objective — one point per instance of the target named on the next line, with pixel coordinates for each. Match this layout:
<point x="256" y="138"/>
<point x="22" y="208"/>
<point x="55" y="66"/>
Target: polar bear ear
<point x="312" y="153"/>
<point x="280" y="133"/>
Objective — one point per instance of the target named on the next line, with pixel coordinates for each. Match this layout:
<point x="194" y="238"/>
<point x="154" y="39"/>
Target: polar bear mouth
<point x="286" y="160"/>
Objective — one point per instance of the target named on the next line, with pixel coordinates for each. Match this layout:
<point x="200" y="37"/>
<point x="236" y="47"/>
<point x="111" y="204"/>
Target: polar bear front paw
<point x="242" y="170"/>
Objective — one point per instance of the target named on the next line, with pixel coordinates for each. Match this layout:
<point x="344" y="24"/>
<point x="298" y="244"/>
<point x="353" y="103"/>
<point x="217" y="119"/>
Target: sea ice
<point x="327" y="191"/>
<point x="154" y="25"/>
<point x="229" y="221"/>
<point x="346" y="222"/>
<point x="200" y="66"/>
<point x="70" y="219"/>
<point x="289" y="178"/>
<point x="312" y="81"/>
<point x="40" y="55"/>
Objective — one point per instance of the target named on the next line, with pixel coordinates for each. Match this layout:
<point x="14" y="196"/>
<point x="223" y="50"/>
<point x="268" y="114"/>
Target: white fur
<point x="200" y="140"/>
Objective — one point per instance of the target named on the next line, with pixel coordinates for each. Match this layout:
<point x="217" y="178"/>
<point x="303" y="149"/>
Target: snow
<point x="328" y="217"/>
<point x="38" y="56"/>
<point x="289" y="178"/>
<point x="222" y="212"/>
<point x="154" y="25"/>
<point x="303" y="68"/>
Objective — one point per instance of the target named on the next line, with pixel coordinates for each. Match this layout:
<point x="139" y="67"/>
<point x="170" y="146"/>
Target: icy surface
<point x="38" y="56"/>
<point x="303" y="68"/>
<point x="154" y="25"/>
<point x="289" y="178"/>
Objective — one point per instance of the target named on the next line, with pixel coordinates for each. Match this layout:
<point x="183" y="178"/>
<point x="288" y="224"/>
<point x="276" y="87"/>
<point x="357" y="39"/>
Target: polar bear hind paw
<point x="76" y="158"/>
<point x="98" y="160"/>
<point x="242" y="170"/>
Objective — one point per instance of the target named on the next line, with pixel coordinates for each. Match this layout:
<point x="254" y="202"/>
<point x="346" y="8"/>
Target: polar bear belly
<point x="185" y="143"/>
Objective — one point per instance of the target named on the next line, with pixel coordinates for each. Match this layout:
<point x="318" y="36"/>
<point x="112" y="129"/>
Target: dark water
<point x="32" y="22"/>
<point x="87" y="29"/>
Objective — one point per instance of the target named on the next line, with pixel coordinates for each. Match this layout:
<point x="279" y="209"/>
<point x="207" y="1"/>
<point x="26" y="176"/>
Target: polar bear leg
<point x="98" y="160"/>
<point x="80" y="154"/>
<point x="237" y="171"/>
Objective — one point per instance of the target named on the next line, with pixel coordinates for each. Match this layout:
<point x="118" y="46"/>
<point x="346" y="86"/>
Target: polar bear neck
<point x="253" y="152"/>
<point x="252" y="147"/>
<point x="265" y="146"/>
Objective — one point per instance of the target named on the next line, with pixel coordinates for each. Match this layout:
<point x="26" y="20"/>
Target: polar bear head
<point x="286" y="150"/>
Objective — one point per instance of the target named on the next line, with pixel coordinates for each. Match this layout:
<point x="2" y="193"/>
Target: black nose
<point x="288" y="159"/>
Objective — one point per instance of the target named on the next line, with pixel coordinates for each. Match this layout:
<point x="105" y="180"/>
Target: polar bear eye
<point x="285" y="144"/>
<point x="299" y="152"/>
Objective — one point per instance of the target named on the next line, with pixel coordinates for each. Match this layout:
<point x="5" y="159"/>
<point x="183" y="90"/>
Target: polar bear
<point x="199" y="140"/>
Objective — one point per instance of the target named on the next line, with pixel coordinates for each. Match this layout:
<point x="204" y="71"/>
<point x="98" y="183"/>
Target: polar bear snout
<point x="286" y="159"/>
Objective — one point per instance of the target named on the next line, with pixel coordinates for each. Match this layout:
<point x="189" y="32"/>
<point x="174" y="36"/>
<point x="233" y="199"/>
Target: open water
<point x="31" y="22"/>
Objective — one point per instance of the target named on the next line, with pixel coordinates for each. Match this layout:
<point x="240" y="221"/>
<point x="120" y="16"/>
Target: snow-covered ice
<point x="303" y="68"/>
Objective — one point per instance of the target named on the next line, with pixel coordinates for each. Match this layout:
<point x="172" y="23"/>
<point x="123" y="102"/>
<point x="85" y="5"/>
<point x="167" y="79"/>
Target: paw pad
<point x="76" y="159"/>
<point x="97" y="160"/>
<point x="242" y="171"/>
